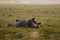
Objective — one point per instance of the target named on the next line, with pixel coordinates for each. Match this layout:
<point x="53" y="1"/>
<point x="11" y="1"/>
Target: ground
<point x="48" y="15"/>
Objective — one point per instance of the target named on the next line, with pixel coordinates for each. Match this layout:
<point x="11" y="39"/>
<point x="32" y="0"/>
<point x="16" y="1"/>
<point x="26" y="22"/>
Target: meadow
<point x="48" y="15"/>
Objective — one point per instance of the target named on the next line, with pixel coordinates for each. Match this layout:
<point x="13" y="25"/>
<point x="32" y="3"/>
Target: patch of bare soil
<point x="34" y="35"/>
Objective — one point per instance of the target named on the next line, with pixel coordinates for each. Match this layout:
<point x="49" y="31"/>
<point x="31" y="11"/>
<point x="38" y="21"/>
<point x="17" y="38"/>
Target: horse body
<point x="29" y="23"/>
<point x="21" y="23"/>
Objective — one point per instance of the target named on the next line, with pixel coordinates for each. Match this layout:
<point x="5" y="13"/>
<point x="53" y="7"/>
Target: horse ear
<point x="33" y="18"/>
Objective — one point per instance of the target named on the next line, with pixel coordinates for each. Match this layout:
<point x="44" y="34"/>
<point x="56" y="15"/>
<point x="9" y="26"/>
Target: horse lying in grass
<point x="26" y="23"/>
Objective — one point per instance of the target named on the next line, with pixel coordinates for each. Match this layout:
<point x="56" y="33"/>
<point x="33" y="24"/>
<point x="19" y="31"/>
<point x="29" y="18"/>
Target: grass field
<point x="48" y="15"/>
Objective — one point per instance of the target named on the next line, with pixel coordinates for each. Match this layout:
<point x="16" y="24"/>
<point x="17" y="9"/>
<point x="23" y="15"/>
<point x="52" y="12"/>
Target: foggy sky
<point x="30" y="1"/>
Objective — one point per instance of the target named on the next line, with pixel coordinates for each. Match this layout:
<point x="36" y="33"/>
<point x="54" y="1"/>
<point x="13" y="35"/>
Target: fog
<point x="32" y="1"/>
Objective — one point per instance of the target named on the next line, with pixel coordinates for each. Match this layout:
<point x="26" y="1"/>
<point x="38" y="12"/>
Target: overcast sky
<point x="30" y="1"/>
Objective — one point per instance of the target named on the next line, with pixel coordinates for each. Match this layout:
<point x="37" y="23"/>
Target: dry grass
<point x="48" y="15"/>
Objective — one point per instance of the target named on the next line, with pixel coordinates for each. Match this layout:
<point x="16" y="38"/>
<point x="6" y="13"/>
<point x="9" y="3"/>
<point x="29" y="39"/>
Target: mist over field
<point x="31" y="1"/>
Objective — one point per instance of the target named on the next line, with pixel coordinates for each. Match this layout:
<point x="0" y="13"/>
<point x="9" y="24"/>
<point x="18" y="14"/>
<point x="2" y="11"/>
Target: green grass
<point x="48" y="15"/>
